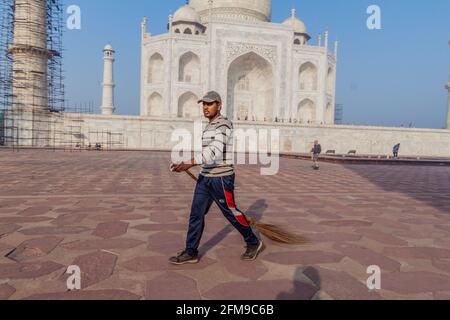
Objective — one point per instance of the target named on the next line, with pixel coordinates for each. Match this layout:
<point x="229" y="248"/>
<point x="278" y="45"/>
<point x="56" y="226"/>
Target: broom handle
<point x="191" y="175"/>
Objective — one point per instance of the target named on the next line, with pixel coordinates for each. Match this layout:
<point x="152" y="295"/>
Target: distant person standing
<point x="396" y="150"/>
<point x="316" y="151"/>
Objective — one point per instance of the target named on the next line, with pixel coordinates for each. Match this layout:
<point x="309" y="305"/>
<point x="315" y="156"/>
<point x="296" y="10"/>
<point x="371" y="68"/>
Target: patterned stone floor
<point x="119" y="216"/>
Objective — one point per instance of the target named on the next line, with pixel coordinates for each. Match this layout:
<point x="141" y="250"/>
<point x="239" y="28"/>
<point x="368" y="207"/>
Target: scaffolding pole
<point x="31" y="74"/>
<point x="8" y="129"/>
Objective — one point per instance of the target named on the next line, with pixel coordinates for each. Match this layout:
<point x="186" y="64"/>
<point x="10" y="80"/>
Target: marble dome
<point x="241" y="10"/>
<point x="186" y="14"/>
<point x="295" y="23"/>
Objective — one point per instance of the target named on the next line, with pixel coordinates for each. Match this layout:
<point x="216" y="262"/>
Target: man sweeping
<point x="215" y="184"/>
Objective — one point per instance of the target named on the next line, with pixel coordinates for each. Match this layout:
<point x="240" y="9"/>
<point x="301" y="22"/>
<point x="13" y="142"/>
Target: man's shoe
<point x="252" y="252"/>
<point x="184" y="258"/>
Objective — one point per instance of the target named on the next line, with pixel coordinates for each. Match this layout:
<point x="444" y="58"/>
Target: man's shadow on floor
<point x="302" y="290"/>
<point x="255" y="211"/>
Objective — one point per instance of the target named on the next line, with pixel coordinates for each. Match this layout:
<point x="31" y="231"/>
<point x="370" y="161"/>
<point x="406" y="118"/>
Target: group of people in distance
<point x="317" y="150"/>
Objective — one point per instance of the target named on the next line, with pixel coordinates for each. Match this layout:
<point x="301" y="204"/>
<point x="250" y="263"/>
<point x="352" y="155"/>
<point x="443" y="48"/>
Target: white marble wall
<point x="223" y="44"/>
<point x="150" y="134"/>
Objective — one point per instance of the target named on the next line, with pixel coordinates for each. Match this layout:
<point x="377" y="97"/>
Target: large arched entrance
<point x="308" y="77"/>
<point x="306" y="113"/>
<point x="155" y="69"/>
<point x="188" y="107"/>
<point x="250" y="89"/>
<point x="189" y="69"/>
<point x="155" y="105"/>
<point x="329" y="114"/>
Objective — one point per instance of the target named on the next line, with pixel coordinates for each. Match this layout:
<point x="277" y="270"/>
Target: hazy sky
<point x="390" y="77"/>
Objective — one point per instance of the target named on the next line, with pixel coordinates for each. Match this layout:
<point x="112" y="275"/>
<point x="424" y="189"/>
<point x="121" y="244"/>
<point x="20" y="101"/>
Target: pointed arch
<point x="330" y="81"/>
<point x="188" y="107"/>
<point x="155" y="69"/>
<point x="306" y="112"/>
<point x="189" y="68"/>
<point x="251" y="89"/>
<point x="308" y="77"/>
<point x="329" y="114"/>
<point x="155" y="105"/>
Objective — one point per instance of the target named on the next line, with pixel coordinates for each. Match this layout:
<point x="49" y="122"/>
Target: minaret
<point x="336" y="46"/>
<point x="30" y="73"/>
<point x="30" y="55"/>
<point x="144" y="28"/>
<point x="448" y="104"/>
<point x="107" y="107"/>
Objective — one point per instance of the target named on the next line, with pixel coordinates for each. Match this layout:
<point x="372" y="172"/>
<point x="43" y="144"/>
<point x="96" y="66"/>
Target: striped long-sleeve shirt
<point x="217" y="141"/>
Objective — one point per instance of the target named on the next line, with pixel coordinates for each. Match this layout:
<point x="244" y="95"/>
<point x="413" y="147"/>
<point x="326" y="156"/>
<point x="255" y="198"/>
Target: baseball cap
<point x="210" y="97"/>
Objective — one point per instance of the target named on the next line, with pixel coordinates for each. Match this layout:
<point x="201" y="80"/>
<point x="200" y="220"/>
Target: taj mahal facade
<point x="270" y="76"/>
<point x="266" y="72"/>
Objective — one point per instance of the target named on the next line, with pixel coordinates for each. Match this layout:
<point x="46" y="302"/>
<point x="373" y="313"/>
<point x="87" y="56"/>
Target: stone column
<point x="107" y="107"/>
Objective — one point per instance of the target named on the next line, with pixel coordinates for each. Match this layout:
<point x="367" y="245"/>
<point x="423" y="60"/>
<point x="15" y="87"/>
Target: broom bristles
<point x="270" y="231"/>
<point x="278" y="234"/>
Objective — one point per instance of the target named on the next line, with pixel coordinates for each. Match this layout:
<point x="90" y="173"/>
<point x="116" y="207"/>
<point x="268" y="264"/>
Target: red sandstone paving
<point x="28" y="270"/>
<point x="35" y="211"/>
<point x="166" y="242"/>
<point x="367" y="257"/>
<point x="340" y="285"/>
<point x="263" y="290"/>
<point x="103" y="244"/>
<point x="128" y="223"/>
<point x="69" y="219"/>
<point x="381" y="237"/>
<point x="11" y="219"/>
<point x="441" y="296"/>
<point x="53" y="230"/>
<point x="35" y="248"/>
<point x="6" y="229"/>
<point x="6" y="291"/>
<point x="170" y="286"/>
<point x="161" y="227"/>
<point x="303" y="257"/>
<point x="417" y="252"/>
<point x="100" y="295"/>
<point x="160" y="263"/>
<point x="415" y="282"/>
<point x="252" y="270"/>
<point x="111" y="229"/>
<point x="95" y="267"/>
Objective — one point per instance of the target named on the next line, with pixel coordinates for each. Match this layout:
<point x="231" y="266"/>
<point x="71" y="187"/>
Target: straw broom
<point x="270" y="231"/>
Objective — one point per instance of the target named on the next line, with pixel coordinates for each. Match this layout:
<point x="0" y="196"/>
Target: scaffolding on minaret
<point x="6" y="39"/>
<point x="31" y="73"/>
<point x="339" y="115"/>
<point x="55" y="27"/>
